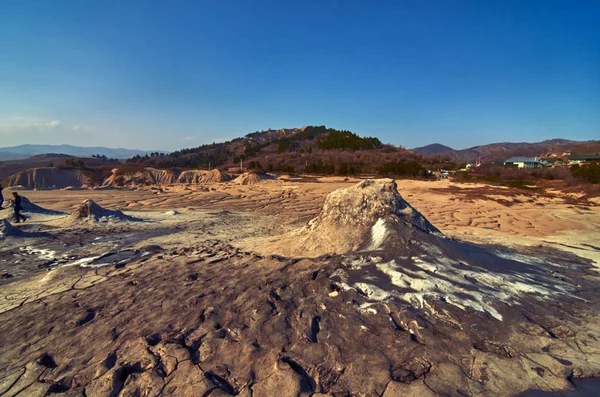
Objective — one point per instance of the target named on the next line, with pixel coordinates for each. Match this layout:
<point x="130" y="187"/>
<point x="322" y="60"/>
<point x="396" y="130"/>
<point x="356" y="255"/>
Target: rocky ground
<point x="197" y="295"/>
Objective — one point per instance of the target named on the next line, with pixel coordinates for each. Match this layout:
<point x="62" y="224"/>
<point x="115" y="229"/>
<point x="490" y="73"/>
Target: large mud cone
<point x="368" y="216"/>
<point x="252" y="178"/>
<point x="90" y="211"/>
<point x="7" y="230"/>
<point x="366" y="204"/>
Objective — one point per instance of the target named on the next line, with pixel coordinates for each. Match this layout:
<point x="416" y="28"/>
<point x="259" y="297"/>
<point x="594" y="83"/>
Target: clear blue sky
<point x="172" y="74"/>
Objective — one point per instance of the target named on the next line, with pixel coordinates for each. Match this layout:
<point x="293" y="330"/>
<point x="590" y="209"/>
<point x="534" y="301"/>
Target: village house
<point x="524" y="162"/>
<point x="584" y="158"/>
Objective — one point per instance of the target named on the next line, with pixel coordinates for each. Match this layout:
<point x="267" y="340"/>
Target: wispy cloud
<point x="52" y="124"/>
<point x="16" y="130"/>
<point x="80" y="128"/>
<point x="20" y="123"/>
<point x="26" y="123"/>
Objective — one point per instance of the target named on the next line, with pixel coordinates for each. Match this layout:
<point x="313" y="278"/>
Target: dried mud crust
<point x="217" y="321"/>
<point x="509" y="197"/>
<point x="214" y="320"/>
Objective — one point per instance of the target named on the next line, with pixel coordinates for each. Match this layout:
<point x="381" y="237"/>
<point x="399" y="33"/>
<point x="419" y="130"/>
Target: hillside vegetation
<point x="312" y="149"/>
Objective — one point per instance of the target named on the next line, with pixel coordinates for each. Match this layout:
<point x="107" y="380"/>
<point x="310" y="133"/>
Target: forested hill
<point x="315" y="149"/>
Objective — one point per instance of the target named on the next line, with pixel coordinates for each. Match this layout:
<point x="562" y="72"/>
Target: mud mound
<point x="90" y="211"/>
<point x="46" y="178"/>
<point x="252" y="178"/>
<point x="7" y="230"/>
<point x="365" y="216"/>
<point x="215" y="176"/>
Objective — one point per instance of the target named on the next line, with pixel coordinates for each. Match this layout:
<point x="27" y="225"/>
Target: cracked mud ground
<point x="211" y="319"/>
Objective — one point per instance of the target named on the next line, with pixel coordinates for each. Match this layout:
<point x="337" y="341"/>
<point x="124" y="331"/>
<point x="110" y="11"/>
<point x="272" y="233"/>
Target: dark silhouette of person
<point x="18" y="207"/>
<point x="1" y="197"/>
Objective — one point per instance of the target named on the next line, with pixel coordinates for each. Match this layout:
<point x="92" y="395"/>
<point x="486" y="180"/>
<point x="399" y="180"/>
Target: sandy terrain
<point x="200" y="293"/>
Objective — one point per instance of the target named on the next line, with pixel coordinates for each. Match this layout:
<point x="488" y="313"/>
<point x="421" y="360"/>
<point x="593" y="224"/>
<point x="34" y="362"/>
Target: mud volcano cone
<point x="368" y="216"/>
<point x="89" y="210"/>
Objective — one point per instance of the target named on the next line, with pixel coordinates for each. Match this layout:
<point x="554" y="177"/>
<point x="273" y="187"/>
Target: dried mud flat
<point x="222" y="290"/>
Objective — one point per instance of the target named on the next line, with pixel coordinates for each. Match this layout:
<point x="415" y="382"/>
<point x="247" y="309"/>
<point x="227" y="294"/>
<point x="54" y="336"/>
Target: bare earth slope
<point x="46" y="178"/>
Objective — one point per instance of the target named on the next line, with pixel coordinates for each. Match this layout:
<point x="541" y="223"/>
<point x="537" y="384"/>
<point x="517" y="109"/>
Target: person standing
<point x="1" y="197"/>
<point x="18" y="207"/>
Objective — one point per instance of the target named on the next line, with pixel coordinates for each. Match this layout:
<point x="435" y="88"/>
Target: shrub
<point x="589" y="172"/>
<point x="320" y="168"/>
<point x="348" y="169"/>
<point x="402" y="169"/>
<point x="254" y="165"/>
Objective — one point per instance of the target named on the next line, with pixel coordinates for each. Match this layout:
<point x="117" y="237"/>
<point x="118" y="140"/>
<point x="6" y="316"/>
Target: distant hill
<point x="434" y="148"/>
<point x="7" y="156"/>
<point x="504" y="150"/>
<point x="24" y="151"/>
<point x="312" y="149"/>
<point x="322" y="150"/>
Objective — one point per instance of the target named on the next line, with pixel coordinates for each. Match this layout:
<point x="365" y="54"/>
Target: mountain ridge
<point x="29" y="150"/>
<point x="433" y="148"/>
<point x="502" y="150"/>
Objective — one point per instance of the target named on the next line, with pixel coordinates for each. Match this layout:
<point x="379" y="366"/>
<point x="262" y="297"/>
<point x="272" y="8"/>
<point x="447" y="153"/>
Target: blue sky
<point x="168" y="75"/>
